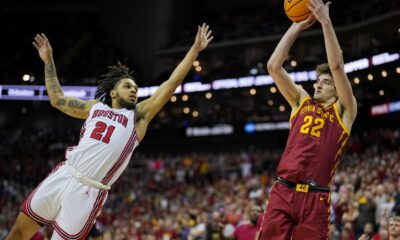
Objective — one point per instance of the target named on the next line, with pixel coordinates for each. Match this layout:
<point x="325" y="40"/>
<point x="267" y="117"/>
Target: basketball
<point x="296" y="10"/>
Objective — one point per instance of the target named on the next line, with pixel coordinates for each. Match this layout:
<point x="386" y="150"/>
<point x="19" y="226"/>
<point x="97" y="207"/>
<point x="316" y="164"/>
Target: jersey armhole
<point x="340" y="119"/>
<point x="135" y="117"/>
<point x="298" y="108"/>
<point x="91" y="110"/>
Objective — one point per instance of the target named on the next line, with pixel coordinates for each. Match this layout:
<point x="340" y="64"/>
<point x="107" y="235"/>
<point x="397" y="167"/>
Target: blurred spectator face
<point x="332" y="229"/>
<point x="216" y="216"/>
<point x="348" y="226"/>
<point x="380" y="189"/>
<point x="391" y="188"/>
<point x="383" y="234"/>
<point x="394" y="227"/>
<point x="352" y="206"/>
<point x="254" y="214"/>
<point x="369" y="229"/>
<point x="149" y="237"/>
<point x="345" y="234"/>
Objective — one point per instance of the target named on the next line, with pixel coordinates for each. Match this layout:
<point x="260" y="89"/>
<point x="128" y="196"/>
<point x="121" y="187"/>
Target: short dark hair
<point x="108" y="81"/>
<point x="322" y="69"/>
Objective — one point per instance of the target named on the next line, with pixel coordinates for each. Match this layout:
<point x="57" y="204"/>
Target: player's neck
<point x="328" y="102"/>
<point x="115" y="105"/>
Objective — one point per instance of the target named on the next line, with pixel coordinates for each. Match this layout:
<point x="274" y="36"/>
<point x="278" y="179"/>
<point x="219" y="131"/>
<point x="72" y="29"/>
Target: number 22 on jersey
<point x="312" y="126"/>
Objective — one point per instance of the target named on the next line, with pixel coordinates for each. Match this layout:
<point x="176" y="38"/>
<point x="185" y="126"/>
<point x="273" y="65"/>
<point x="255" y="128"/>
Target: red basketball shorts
<point x="295" y="215"/>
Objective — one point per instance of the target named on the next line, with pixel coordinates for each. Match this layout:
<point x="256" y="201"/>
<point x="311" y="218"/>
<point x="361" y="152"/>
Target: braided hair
<point x="108" y="81"/>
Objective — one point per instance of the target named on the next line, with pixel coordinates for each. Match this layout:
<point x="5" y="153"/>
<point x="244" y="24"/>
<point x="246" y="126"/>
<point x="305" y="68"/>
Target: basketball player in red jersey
<point x="72" y="196"/>
<point x="298" y="206"/>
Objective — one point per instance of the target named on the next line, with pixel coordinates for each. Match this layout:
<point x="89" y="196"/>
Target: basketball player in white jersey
<point x="71" y="197"/>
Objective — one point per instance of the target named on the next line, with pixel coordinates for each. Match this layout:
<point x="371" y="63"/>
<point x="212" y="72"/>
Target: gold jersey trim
<point x="297" y="110"/>
<point x="340" y="120"/>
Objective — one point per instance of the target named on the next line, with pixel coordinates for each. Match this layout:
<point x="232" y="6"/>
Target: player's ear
<point x="113" y="93"/>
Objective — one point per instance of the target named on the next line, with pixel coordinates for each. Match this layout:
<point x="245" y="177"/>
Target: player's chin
<point x="131" y="107"/>
<point x="129" y="104"/>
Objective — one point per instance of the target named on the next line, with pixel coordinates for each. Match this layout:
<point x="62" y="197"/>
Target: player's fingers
<point x="39" y="37"/>
<point x="327" y="5"/>
<point x="206" y="29"/>
<point x="38" y="41"/>
<point x="310" y="18"/>
<point x="208" y="34"/>
<point x="318" y="2"/>
<point x="35" y="45"/>
<point x="311" y="8"/>
<point x="311" y="5"/>
<point x="210" y="39"/>
<point x="44" y="37"/>
<point x="312" y="22"/>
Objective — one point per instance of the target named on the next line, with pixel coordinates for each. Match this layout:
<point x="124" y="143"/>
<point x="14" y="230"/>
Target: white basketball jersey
<point x="108" y="138"/>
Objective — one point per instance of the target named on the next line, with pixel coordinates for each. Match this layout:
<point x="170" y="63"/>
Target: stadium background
<point x="179" y="185"/>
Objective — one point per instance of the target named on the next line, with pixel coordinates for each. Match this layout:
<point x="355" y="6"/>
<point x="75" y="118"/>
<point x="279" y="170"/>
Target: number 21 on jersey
<point x="98" y="132"/>
<point x="314" y="130"/>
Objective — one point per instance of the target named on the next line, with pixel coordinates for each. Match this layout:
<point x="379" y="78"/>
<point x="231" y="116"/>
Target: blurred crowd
<point x="207" y="194"/>
<point x="265" y="19"/>
<point x="84" y="49"/>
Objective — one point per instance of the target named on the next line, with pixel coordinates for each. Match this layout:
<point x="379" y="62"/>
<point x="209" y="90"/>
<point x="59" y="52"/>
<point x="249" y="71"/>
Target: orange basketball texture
<point x="296" y="10"/>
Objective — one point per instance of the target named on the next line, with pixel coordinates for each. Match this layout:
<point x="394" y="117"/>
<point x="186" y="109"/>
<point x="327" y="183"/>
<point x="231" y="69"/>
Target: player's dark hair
<point x="108" y="81"/>
<point x="322" y="69"/>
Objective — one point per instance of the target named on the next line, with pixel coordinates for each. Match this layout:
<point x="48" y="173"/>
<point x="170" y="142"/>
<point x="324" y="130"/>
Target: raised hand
<point x="319" y="9"/>
<point x="305" y="24"/>
<point x="203" y="37"/>
<point x="43" y="46"/>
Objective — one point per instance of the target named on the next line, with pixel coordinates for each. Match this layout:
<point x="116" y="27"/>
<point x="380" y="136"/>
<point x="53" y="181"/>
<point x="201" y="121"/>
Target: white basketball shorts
<point x="67" y="205"/>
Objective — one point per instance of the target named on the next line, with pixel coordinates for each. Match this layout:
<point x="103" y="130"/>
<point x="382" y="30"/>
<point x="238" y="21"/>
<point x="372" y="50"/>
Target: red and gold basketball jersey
<point x="316" y="139"/>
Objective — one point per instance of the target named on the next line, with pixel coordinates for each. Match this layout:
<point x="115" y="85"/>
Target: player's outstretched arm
<point x="335" y="61"/>
<point x="69" y="105"/>
<point x="293" y="93"/>
<point x="148" y="108"/>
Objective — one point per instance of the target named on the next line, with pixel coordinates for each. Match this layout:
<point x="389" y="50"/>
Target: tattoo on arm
<point x="61" y="102"/>
<point x="54" y="87"/>
<point x="50" y="70"/>
<point x="52" y="84"/>
<point x="77" y="104"/>
<point x="71" y="106"/>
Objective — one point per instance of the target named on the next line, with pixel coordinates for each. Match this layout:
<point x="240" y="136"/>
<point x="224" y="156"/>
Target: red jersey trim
<point x="340" y="119"/>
